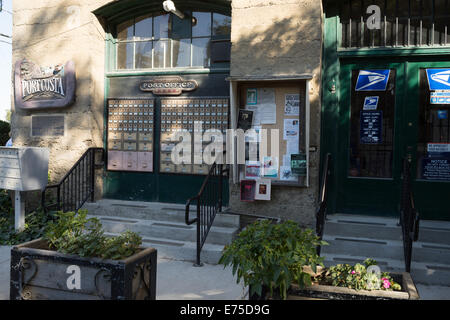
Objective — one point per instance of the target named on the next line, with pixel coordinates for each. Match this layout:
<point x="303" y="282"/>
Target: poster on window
<point x="371" y="129"/>
<point x="292" y="105"/>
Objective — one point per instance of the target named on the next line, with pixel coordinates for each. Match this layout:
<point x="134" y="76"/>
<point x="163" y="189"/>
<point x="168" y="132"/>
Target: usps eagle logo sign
<point x="372" y="80"/>
<point x="438" y="79"/>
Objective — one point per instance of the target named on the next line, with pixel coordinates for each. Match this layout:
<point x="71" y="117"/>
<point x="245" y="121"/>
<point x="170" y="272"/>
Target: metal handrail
<point x="322" y="206"/>
<point x="409" y="216"/>
<point x="209" y="201"/>
<point x="77" y="185"/>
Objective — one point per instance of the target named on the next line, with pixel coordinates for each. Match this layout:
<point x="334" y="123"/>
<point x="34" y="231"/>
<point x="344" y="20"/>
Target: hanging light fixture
<point x="169" y="6"/>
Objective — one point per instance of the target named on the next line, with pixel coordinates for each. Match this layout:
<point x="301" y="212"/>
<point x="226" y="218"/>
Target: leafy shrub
<point x="357" y="277"/>
<point x="74" y="233"/>
<point x="5" y="128"/>
<point x="35" y="223"/>
<point x="273" y="255"/>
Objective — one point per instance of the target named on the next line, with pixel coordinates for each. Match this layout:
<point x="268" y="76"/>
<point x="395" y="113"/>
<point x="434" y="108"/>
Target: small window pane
<point x="200" y="52"/>
<point x="143" y="55"/>
<point x="125" y="31"/>
<point x="161" y="54"/>
<point x="144" y="27"/>
<point x="161" y="25"/>
<point x="181" y="53"/>
<point x="203" y="26"/>
<point x="125" y="55"/>
<point x="221" y="24"/>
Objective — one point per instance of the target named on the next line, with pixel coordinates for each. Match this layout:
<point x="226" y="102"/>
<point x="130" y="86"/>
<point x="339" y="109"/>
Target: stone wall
<point x="50" y="32"/>
<point x="279" y="38"/>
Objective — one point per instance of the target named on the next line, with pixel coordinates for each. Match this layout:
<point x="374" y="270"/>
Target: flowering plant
<point x="366" y="276"/>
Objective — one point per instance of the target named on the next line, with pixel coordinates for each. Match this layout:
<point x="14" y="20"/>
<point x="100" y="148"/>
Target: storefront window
<point x="401" y="23"/>
<point x="165" y="41"/>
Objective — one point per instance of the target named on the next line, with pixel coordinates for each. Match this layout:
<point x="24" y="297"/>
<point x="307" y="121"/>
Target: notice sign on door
<point x="371" y="127"/>
<point x="436" y="169"/>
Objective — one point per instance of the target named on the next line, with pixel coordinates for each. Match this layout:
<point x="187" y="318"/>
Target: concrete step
<point x="390" y="249"/>
<point x="152" y="211"/>
<point x="370" y="227"/>
<point x="166" y="229"/>
<point x="181" y="250"/>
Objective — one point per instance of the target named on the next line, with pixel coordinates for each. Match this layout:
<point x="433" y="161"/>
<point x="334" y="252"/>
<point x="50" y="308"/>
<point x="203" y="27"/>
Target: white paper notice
<point x="286" y="174"/>
<point x="268" y="113"/>
<point x="292" y="147"/>
<point x="256" y="114"/>
<point x="291" y="129"/>
<point x="292" y="105"/>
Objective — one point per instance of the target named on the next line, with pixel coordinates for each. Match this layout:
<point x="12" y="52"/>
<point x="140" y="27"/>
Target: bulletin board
<point x="288" y="95"/>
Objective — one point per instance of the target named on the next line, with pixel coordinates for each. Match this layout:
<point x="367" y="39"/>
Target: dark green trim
<point x="393" y="52"/>
<point x="330" y="106"/>
<point x="119" y="74"/>
<point x="119" y="11"/>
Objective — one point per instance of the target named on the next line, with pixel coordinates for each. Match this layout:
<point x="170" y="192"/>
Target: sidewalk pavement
<point x="179" y="280"/>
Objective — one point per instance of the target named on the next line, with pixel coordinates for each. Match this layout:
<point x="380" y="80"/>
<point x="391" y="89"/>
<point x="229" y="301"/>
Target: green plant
<point x="35" y="223"/>
<point x="74" y="233"/>
<point x="5" y="129"/>
<point x="358" y="277"/>
<point x="273" y="255"/>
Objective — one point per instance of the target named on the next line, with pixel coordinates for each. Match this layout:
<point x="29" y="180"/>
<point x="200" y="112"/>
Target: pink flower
<point x="353" y="272"/>
<point x="386" y="283"/>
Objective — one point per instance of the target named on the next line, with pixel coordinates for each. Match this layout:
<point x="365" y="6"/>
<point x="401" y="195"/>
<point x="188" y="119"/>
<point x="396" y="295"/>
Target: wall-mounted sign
<point x="438" y="79"/>
<point x="372" y="80"/>
<point x="44" y="87"/>
<point x="171" y="86"/>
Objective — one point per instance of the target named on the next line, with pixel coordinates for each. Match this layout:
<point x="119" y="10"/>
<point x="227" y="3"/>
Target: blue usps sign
<point x="371" y="103"/>
<point x="372" y="80"/>
<point x="438" y="79"/>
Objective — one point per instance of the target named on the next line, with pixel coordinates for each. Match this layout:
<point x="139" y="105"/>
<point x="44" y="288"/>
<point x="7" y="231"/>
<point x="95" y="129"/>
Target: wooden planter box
<point x="38" y="273"/>
<point x="321" y="292"/>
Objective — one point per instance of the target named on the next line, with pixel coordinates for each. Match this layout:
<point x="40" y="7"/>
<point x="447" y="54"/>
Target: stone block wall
<point x="281" y="38"/>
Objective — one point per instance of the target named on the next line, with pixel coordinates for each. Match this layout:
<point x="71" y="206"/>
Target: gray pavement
<point x="179" y="280"/>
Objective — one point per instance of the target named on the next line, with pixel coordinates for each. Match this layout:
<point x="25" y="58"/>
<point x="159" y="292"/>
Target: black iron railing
<point x="322" y="207"/>
<point x="209" y="202"/>
<point x="409" y="217"/>
<point x="77" y="186"/>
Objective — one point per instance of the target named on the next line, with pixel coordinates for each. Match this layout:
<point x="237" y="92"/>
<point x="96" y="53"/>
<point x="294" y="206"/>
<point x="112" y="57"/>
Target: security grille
<point x="402" y="23"/>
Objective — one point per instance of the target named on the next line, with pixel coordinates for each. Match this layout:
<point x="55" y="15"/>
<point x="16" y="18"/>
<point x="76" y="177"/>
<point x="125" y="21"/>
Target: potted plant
<point x="279" y="261"/>
<point x="270" y="257"/>
<point x="363" y="281"/>
<point x="75" y="260"/>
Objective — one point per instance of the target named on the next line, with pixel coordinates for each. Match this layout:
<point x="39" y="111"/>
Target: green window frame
<point x="141" y="44"/>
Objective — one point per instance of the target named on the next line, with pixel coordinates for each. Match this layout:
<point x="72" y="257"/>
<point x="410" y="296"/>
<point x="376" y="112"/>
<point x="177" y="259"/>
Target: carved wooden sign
<point x="173" y="86"/>
<point x="44" y="87"/>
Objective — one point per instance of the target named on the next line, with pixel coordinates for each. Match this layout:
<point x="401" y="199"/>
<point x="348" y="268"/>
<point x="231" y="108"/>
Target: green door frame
<point x="333" y="58"/>
<point x="378" y="196"/>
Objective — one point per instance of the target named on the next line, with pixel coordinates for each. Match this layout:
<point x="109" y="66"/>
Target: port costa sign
<point x="44" y="87"/>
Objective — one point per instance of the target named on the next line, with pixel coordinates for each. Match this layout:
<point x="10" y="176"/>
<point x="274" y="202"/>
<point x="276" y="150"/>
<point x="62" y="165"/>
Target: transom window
<point x="166" y="41"/>
<point x="403" y="23"/>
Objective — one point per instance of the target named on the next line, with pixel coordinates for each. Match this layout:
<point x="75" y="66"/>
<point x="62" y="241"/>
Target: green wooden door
<point x="386" y="116"/>
<point x="370" y="151"/>
<point x="427" y="113"/>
